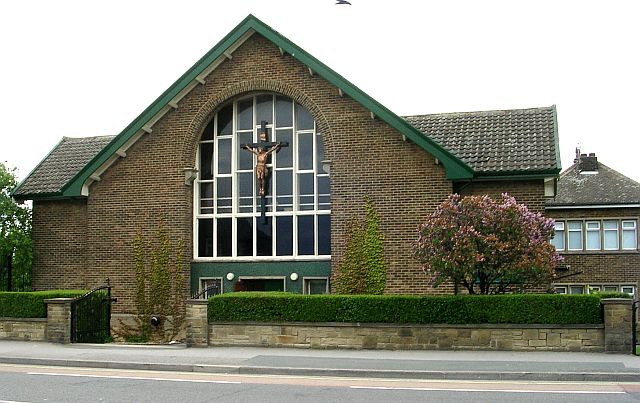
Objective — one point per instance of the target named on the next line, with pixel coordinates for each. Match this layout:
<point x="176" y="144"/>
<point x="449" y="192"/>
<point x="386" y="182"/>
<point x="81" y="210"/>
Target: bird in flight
<point x="342" y="2"/>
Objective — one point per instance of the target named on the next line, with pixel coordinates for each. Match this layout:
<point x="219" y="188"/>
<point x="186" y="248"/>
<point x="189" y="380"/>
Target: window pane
<point x="593" y="235"/>
<point x="316" y="286"/>
<point x="223" y="202"/>
<point x="558" y="238"/>
<point x="225" y="122"/>
<point x="224" y="236"/>
<point x="245" y="114"/>
<point x="610" y="288"/>
<point x="265" y="237"/>
<point x="305" y="151"/>
<point x="577" y="289"/>
<point x="324" y="198"/>
<point x="324" y="235"/>
<point x="206" y="154"/>
<point x="264" y="109"/>
<point x="284" y="236"/>
<point x="305" y="189"/>
<point x="306" y="230"/>
<point x="245" y="192"/>
<point x="224" y="156"/>
<point x="206" y="198"/>
<point x="245" y="157"/>
<point x="284" y="112"/>
<point x="575" y="235"/>
<point x="284" y="156"/>
<point x="205" y="237"/>
<point x="244" y="231"/>
<point x="208" y="132"/>
<point x="319" y="154"/>
<point x="284" y="190"/>
<point x="629" y="235"/>
<point x="560" y="290"/>
<point x="611" y="234"/>
<point x="304" y="120"/>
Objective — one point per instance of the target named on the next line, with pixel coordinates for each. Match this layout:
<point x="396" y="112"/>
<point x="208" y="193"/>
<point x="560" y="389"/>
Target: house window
<point x="558" y="238"/>
<point x="210" y="287"/>
<point x="611" y="235"/>
<point x="629" y="235"/>
<point x="319" y="285"/>
<point x="228" y="222"/>
<point x="576" y="289"/>
<point x="575" y="235"/>
<point x="599" y="235"/>
<point x="593" y="235"/>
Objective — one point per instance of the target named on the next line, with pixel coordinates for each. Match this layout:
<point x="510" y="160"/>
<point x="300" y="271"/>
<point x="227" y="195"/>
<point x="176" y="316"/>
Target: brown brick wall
<point x="600" y="267"/>
<point x="59" y="239"/>
<point x="529" y="192"/>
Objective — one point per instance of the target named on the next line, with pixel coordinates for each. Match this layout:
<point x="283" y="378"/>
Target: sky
<point x="80" y="68"/>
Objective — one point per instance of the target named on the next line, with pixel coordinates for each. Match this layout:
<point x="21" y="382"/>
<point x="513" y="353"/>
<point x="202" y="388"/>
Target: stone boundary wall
<point x="614" y="336"/>
<point x="27" y="329"/>
<point x="410" y="337"/>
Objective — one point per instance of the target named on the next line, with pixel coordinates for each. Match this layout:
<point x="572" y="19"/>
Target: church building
<point x="258" y="157"/>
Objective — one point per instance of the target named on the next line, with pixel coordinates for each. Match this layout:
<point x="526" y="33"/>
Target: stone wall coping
<point x="437" y="325"/>
<point x="617" y="301"/>
<point x="58" y="300"/>
<point x="197" y="301"/>
<point x="9" y="319"/>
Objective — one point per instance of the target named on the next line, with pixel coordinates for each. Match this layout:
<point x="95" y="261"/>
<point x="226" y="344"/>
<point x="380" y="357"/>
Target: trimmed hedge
<point x="408" y="309"/>
<point x="31" y="304"/>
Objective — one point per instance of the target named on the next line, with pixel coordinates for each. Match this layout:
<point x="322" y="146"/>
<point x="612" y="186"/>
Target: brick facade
<point x="79" y="244"/>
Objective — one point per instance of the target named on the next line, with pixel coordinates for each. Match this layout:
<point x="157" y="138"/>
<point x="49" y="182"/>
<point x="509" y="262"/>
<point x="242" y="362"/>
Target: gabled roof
<point x="601" y="187"/>
<point x="454" y="167"/>
<point x="519" y="141"/>
<point x="61" y="164"/>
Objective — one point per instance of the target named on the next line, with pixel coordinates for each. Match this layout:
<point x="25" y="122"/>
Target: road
<point x="22" y="383"/>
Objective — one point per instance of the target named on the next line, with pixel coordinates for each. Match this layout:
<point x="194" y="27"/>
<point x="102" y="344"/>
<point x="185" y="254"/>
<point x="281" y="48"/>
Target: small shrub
<point x="407" y="309"/>
<point x="31" y="304"/>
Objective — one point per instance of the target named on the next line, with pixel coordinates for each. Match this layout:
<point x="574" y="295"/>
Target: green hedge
<point x="31" y="304"/>
<point x="405" y="309"/>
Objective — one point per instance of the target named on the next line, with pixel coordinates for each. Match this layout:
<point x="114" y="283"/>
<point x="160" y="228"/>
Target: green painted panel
<point x="258" y="269"/>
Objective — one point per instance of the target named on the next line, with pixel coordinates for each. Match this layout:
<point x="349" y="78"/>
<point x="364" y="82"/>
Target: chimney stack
<point x="588" y="163"/>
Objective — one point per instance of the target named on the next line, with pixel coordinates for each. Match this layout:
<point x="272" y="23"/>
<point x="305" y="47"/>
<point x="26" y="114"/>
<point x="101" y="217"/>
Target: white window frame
<point x="635" y="234"/>
<point x="606" y="230"/>
<point x="296" y="212"/>
<point x="560" y="234"/>
<point x="580" y="231"/>
<point x="201" y="284"/>
<point x="594" y="230"/>
<point x="305" y="284"/>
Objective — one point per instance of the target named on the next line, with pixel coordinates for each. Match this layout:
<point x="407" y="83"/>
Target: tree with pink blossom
<point x="487" y="246"/>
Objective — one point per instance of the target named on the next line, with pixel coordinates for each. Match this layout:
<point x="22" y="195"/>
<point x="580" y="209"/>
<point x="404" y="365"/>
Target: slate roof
<point x="494" y="142"/>
<point x="606" y="187"/>
<point x="62" y="163"/>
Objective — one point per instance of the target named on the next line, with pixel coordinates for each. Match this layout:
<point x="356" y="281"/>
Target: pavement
<point x="436" y="365"/>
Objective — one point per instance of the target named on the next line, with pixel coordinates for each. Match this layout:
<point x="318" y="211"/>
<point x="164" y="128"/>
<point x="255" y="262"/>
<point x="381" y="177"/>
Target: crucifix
<point x="262" y="150"/>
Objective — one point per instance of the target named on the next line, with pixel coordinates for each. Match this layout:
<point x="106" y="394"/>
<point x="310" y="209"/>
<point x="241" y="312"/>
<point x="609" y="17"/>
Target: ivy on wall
<point x="363" y="269"/>
<point x="160" y="285"/>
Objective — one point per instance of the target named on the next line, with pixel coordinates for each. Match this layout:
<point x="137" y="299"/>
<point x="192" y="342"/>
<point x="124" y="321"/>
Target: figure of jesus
<point x="261" y="160"/>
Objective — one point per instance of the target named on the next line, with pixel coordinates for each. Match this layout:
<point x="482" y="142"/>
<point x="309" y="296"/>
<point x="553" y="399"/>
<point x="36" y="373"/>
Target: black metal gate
<point x="634" y="327"/>
<point x="91" y="316"/>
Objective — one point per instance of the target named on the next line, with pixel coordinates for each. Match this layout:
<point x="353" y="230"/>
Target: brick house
<point x="596" y="211"/>
<point x="182" y="159"/>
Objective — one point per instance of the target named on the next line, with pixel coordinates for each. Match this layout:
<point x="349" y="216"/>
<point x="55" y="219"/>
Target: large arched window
<point x="228" y="221"/>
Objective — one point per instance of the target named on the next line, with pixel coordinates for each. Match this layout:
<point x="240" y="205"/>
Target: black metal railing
<point x="207" y="292"/>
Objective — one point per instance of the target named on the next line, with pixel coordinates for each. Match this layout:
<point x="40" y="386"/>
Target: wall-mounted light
<point x="326" y="166"/>
<point x="190" y="174"/>
<point x="230" y="276"/>
<point x="293" y="276"/>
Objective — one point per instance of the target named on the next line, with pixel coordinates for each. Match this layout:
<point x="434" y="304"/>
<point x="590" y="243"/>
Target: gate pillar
<point x="58" y="328"/>
<point x="618" y="329"/>
<point x="197" y="323"/>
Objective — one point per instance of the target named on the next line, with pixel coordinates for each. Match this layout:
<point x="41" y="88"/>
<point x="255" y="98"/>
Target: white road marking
<point x="11" y="401"/>
<point x="570" y="392"/>
<point x="137" y="378"/>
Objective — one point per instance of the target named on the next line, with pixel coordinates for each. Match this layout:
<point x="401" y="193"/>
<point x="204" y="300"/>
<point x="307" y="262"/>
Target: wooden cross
<point x="262" y="150"/>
